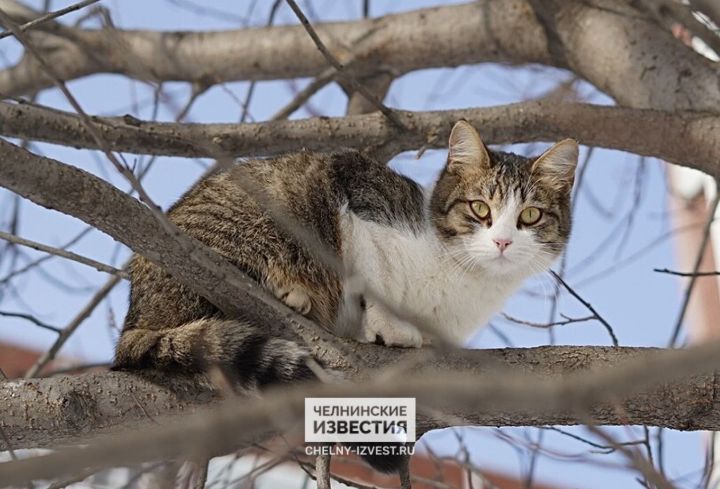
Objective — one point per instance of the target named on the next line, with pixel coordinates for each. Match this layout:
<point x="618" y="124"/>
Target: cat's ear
<point x="466" y="147"/>
<point x="556" y="166"/>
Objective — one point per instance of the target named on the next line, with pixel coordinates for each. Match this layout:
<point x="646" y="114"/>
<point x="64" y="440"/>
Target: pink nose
<point x="502" y="244"/>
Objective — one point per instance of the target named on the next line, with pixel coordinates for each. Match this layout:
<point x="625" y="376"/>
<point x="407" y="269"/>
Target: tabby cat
<point x="451" y="254"/>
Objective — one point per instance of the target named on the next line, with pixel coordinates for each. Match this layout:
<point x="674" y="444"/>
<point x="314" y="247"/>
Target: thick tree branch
<point x="536" y="386"/>
<point x="124" y="218"/>
<point x="688" y="138"/>
<point x="623" y="52"/>
<point x="57" y="186"/>
<point x="615" y="47"/>
<point x="445" y="36"/>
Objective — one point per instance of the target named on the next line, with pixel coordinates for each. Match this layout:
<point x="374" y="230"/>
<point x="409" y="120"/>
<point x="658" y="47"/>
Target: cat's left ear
<point x="556" y="166"/>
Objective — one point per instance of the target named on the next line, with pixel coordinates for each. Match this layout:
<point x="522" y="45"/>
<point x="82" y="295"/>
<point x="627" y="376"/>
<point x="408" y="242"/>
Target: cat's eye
<point x="530" y="216"/>
<point x="480" y="209"/>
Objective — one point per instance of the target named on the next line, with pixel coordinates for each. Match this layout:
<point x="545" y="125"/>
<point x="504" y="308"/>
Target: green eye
<point x="530" y="216"/>
<point x="480" y="209"/>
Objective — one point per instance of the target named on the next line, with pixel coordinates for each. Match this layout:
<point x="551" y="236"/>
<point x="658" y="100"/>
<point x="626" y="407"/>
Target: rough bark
<point x="686" y="138"/>
<point x="508" y="387"/>
<point x="612" y="45"/>
<point x="624" y="53"/>
<point x="444" y="36"/>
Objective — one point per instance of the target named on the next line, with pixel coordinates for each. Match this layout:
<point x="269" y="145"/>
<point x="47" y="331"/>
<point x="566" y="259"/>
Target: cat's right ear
<point x="466" y="147"/>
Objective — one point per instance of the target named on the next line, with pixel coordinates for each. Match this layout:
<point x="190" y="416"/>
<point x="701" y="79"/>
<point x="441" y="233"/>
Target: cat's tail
<point x="244" y="353"/>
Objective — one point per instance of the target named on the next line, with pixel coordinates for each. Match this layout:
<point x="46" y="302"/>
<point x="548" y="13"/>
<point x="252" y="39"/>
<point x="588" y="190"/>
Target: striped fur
<point x="403" y="241"/>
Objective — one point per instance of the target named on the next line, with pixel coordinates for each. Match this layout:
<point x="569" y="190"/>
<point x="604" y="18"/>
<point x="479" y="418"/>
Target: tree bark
<point x="434" y="37"/>
<point x="61" y="187"/>
<point x="688" y="138"/>
<point x="613" y="46"/>
<point x="505" y="387"/>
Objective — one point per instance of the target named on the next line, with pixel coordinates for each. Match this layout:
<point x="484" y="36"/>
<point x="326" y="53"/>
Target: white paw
<point x="295" y="298"/>
<point x="389" y="332"/>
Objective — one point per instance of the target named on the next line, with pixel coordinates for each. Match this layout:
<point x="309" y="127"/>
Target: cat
<point x="451" y="254"/>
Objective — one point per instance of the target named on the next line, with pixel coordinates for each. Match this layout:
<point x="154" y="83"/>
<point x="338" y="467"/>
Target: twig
<point x="566" y="320"/>
<point x="69" y="255"/>
<point x="197" y="90"/>
<point x="308" y="469"/>
<point x="686" y="274"/>
<point x="305" y="94"/>
<point x="201" y="474"/>
<point x="605" y="448"/>
<point x="589" y="306"/>
<point x="52" y="15"/>
<point x="32" y="319"/>
<point x="696" y="267"/>
<point x="89" y="124"/>
<point x="356" y="86"/>
<point x="636" y="459"/>
<point x="536" y="448"/>
<point x="404" y="473"/>
<point x="564" y="259"/>
<point x="251" y="89"/>
<point x="29" y="266"/>
<point x="322" y="471"/>
<point x="73" y="325"/>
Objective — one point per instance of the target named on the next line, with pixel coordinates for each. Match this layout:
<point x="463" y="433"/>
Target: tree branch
<point x="57" y="186"/>
<point x="482" y="31"/>
<point x="41" y="19"/>
<point x="686" y="138"/>
<point x="509" y="387"/>
<point x="620" y="50"/>
<point x="69" y="255"/>
<point x="617" y="48"/>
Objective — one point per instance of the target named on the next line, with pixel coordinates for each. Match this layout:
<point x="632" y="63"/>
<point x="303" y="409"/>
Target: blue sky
<point x="640" y="304"/>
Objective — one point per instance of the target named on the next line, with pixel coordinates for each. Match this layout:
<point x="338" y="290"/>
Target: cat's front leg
<point x="382" y="327"/>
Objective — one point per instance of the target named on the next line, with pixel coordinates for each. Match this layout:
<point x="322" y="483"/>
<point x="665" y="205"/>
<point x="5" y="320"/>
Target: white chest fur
<point x="416" y="273"/>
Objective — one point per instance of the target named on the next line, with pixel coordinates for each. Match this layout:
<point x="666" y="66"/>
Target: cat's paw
<point x="296" y="298"/>
<point x="390" y="332"/>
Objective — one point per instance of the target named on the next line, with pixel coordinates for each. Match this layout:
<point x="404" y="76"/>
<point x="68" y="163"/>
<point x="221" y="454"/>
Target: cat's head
<point x="501" y="212"/>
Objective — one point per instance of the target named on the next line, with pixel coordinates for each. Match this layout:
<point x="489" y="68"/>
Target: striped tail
<point x="244" y="353"/>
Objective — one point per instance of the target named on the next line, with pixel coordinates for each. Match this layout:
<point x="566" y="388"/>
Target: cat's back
<point x="310" y="185"/>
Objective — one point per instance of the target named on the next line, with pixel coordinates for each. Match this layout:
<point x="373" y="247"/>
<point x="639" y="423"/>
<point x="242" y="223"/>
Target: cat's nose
<point x="502" y="244"/>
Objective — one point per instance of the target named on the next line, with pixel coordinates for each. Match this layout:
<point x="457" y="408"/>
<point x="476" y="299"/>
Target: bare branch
<point x="91" y="199"/>
<point x="536" y="386"/>
<point x="50" y="16"/>
<point x="686" y="274"/>
<point x="350" y="80"/>
<point x="693" y="278"/>
<point x="654" y="71"/>
<point x="72" y="326"/>
<point x="237" y="55"/>
<point x="589" y="306"/>
<point x="32" y="319"/>
<point x="322" y="471"/>
<point x="63" y="254"/>
<point x="688" y="138"/>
